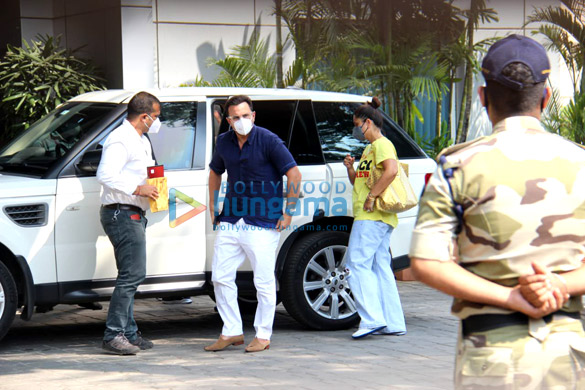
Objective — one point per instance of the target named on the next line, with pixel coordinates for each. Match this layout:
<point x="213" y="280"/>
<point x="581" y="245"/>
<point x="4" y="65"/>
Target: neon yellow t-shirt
<point x="379" y="150"/>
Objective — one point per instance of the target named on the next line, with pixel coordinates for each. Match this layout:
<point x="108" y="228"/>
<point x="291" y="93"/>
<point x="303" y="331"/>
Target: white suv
<point x="53" y="249"/>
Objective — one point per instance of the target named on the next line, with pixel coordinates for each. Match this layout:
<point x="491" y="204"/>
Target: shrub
<point x="36" y="78"/>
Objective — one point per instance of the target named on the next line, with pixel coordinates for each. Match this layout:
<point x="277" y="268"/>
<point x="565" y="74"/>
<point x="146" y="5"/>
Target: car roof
<point x="166" y="94"/>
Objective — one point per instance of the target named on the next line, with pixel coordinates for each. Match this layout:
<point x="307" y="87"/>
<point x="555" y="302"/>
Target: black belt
<point x="485" y="322"/>
<point x="121" y="206"/>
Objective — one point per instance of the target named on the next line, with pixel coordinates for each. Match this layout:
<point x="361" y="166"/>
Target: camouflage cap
<point x="515" y="48"/>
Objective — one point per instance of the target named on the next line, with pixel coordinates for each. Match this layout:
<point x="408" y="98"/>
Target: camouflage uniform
<point x="522" y="190"/>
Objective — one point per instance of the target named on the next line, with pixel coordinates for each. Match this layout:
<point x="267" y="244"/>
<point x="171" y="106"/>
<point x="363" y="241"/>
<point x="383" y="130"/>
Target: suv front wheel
<point x="8" y="299"/>
<point x="314" y="286"/>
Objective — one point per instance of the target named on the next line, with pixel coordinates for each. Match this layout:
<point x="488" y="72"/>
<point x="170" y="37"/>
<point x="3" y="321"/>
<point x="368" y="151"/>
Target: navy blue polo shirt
<point x="254" y="185"/>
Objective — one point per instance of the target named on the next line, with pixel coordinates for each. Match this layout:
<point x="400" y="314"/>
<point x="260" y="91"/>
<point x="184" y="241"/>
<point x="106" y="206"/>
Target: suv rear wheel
<point x="8" y="299"/>
<point x="314" y="284"/>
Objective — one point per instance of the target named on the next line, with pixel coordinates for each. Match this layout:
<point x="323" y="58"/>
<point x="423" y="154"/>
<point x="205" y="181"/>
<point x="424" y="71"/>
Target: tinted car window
<point x="49" y="139"/>
<point x="173" y="145"/>
<point x="304" y="140"/>
<point x="275" y="116"/>
<point x="405" y="146"/>
<point x="335" y="124"/>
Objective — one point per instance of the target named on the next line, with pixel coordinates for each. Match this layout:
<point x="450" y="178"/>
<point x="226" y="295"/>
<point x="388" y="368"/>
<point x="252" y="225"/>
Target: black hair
<point x="141" y="103"/>
<point x="370" y="111"/>
<point x="510" y="102"/>
<point x="236" y="100"/>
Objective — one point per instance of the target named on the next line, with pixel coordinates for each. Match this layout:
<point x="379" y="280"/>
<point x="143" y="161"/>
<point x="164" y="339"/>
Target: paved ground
<point x="60" y="350"/>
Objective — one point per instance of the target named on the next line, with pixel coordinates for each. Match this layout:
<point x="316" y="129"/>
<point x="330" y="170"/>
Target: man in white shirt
<point x="122" y="173"/>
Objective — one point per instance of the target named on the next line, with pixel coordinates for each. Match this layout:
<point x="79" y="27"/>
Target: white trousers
<point x="233" y="243"/>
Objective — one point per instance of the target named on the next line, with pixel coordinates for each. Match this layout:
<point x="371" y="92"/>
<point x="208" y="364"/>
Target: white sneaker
<point x="363" y="332"/>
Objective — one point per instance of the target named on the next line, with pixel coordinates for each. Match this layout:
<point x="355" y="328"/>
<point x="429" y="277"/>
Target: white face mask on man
<point x="154" y="127"/>
<point x="243" y="126"/>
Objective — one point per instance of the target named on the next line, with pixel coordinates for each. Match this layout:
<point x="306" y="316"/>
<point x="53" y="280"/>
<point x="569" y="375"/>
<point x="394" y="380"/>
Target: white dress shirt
<point x="125" y="157"/>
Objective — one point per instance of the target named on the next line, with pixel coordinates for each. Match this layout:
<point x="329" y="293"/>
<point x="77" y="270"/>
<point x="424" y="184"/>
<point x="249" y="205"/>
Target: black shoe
<point x="142" y="342"/>
<point x="120" y="345"/>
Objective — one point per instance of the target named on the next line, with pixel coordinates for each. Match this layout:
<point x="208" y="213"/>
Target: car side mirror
<point x="90" y="161"/>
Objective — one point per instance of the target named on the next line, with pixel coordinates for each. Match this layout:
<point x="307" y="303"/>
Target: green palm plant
<point x="434" y="146"/>
<point x="416" y="72"/>
<point x="552" y="113"/>
<point x="476" y="13"/>
<point x="36" y="78"/>
<point x="348" y="48"/>
<point x="319" y="30"/>
<point x="564" y="28"/>
<point x="572" y="119"/>
<point x="250" y="65"/>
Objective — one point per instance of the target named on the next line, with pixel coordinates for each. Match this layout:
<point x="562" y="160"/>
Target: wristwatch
<point x="290" y="209"/>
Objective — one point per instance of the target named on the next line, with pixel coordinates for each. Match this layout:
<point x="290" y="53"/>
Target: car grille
<point x="29" y="215"/>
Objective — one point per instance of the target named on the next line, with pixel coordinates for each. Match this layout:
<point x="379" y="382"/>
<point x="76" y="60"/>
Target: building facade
<point x="164" y="43"/>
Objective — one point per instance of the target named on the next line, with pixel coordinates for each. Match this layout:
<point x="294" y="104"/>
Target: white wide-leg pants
<point x="233" y="243"/>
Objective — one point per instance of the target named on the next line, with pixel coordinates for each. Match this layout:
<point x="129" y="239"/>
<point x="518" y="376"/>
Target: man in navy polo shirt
<point x="251" y="220"/>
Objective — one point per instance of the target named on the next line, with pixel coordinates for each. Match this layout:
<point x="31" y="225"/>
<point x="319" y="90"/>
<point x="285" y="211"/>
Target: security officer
<point x="501" y="228"/>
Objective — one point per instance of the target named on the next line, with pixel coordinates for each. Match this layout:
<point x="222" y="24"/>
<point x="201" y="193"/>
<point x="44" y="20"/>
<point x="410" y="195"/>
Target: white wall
<point x="36" y="18"/>
<point x="169" y="42"/>
<point x="138" y="44"/>
<point x="513" y="15"/>
<point x="92" y="26"/>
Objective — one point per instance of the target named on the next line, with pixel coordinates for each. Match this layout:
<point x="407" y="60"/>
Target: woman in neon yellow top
<point x="368" y="254"/>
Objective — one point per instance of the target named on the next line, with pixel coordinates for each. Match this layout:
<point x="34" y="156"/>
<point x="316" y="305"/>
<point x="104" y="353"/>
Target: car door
<point x="293" y="121"/>
<point x="84" y="252"/>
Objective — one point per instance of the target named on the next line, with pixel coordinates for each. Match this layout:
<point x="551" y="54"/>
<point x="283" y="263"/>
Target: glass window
<point x="304" y="140"/>
<point x="49" y="139"/>
<point x="405" y="146"/>
<point x="173" y="144"/>
<point x="335" y="125"/>
<point x="275" y="116"/>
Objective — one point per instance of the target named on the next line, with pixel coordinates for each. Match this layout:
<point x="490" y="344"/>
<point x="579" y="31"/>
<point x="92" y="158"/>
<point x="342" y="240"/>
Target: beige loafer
<point x="258" y="345"/>
<point x="222" y="343"/>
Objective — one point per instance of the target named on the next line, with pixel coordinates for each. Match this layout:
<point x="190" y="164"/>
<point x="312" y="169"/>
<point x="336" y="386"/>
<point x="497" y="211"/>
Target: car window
<point x="173" y="144"/>
<point x="304" y="140"/>
<point x="49" y="139"/>
<point x="405" y="146"/>
<point x="335" y="124"/>
<point x="275" y="116"/>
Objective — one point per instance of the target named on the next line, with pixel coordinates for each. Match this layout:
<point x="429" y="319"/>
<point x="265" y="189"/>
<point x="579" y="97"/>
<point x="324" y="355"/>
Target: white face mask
<point x="243" y="126"/>
<point x="155" y="127"/>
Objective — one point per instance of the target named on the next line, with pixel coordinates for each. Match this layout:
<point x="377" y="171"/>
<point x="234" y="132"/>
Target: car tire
<point x="314" y="287"/>
<point x="247" y="303"/>
<point x="8" y="300"/>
